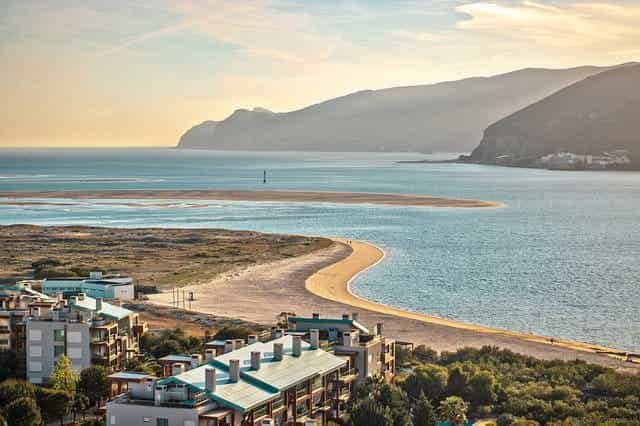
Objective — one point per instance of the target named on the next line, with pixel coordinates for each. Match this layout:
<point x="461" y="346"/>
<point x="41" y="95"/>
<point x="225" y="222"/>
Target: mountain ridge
<point x="446" y="116"/>
<point x="595" y="115"/>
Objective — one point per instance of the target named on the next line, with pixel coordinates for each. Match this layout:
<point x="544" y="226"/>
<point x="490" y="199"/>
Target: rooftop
<point x="123" y="375"/>
<point x="89" y="304"/>
<point x="176" y="358"/>
<point x="347" y="321"/>
<point x="256" y="387"/>
<point x="116" y="280"/>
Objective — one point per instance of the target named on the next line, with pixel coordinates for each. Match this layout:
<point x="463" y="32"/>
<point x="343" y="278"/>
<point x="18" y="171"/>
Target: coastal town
<point x="298" y="368"/>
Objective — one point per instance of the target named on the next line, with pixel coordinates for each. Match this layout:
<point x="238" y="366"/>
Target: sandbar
<point x="260" y="196"/>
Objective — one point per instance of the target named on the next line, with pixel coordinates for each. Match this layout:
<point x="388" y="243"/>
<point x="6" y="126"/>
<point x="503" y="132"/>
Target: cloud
<point x="419" y="36"/>
<point x="596" y="27"/>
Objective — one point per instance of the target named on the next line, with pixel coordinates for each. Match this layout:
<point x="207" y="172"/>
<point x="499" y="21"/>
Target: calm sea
<point x="561" y="259"/>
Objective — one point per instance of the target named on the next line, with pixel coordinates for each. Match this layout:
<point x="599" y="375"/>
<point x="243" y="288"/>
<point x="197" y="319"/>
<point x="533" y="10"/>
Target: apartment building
<point x="89" y="331"/>
<point x="16" y="302"/>
<point x="369" y="352"/>
<point x="285" y="381"/>
<point x="96" y="286"/>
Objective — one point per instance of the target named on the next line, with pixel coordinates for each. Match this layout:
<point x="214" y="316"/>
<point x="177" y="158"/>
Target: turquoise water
<point x="560" y="259"/>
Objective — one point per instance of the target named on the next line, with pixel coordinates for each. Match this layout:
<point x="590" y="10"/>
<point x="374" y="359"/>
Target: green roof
<point x="256" y="387"/>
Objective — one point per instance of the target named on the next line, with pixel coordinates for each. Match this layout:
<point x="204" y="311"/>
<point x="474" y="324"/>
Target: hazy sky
<point x="135" y="72"/>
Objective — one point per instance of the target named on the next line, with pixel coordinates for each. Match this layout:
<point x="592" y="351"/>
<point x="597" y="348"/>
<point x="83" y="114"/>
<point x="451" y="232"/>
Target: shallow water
<point x="560" y="259"/>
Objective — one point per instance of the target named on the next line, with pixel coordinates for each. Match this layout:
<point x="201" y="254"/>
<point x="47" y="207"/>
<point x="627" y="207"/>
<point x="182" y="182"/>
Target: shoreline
<point x="261" y="196"/>
<point x="339" y="290"/>
<point x="261" y="293"/>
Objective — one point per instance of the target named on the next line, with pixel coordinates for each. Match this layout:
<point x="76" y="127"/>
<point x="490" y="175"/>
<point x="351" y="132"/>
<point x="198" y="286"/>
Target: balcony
<point x="347" y="376"/>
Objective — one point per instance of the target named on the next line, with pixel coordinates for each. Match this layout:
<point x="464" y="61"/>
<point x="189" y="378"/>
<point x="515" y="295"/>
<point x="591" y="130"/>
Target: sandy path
<point x="253" y="195"/>
<point x="262" y="292"/>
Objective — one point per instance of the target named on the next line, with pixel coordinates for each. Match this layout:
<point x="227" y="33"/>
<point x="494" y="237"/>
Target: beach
<point x="15" y="198"/>
<point x="319" y="282"/>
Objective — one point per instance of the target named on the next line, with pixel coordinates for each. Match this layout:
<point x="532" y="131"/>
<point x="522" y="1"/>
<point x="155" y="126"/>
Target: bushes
<point x="169" y="342"/>
<point x="520" y="390"/>
<point x="22" y="412"/>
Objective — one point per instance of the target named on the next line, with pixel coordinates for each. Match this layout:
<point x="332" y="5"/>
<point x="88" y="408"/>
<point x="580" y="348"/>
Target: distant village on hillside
<point x="614" y="160"/>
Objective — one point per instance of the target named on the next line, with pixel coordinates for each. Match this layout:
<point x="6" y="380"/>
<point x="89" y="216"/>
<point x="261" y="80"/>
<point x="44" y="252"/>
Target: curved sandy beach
<point x="318" y="282"/>
<point x="333" y="283"/>
<point x="257" y="195"/>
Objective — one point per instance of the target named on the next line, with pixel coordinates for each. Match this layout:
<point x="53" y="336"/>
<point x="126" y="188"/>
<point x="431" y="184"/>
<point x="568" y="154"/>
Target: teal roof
<point x="176" y="358"/>
<point x="347" y="321"/>
<point x="113" y="311"/>
<point x="256" y="387"/>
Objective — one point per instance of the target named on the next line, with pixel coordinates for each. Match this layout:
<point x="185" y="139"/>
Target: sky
<point x="139" y="73"/>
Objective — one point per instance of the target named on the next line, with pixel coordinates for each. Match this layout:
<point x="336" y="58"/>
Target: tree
<point x="63" y="377"/>
<point x="8" y="363"/>
<point x="454" y="410"/>
<point x="428" y="379"/>
<point x="458" y="381"/>
<point x="505" y="419"/>
<point x="12" y="389"/>
<point x="481" y="389"/>
<point x="22" y="412"/>
<point x="395" y="399"/>
<point x="423" y="412"/>
<point x="79" y="405"/>
<point x="368" y="412"/>
<point x="94" y="383"/>
<point x="425" y="354"/>
<point x="232" y="332"/>
<point x="54" y="403"/>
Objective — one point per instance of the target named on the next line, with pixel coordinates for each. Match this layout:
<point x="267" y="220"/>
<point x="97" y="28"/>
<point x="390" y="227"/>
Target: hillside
<point x="598" y="114"/>
<point x="445" y="117"/>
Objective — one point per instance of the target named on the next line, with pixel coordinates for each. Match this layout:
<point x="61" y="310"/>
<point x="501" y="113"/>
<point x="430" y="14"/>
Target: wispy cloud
<point x="594" y="26"/>
<point x="420" y="36"/>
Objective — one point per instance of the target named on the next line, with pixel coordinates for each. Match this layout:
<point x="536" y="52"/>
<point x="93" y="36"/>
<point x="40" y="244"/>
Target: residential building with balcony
<point x="285" y="381"/>
<point x="16" y="301"/>
<point x="369" y="352"/>
<point x="96" y="286"/>
<point x="88" y="331"/>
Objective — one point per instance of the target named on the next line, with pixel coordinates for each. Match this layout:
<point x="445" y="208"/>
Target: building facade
<point x="96" y="286"/>
<point x="88" y="331"/>
<point x="282" y="382"/>
<point x="370" y="353"/>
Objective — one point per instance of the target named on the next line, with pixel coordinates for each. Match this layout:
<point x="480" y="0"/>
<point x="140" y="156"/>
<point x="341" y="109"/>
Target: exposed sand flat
<point x="318" y="282"/>
<point x="266" y="195"/>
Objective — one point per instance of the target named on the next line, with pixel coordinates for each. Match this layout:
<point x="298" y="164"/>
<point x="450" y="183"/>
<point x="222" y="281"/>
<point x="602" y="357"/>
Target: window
<point x="58" y="335"/>
<point x="35" y="366"/>
<point x="58" y="350"/>
<point x="112" y="420"/>
<point x="35" y="350"/>
<point x="162" y="422"/>
<point x="35" y="335"/>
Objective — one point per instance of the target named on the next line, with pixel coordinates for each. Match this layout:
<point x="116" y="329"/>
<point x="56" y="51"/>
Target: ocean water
<point x="561" y="259"/>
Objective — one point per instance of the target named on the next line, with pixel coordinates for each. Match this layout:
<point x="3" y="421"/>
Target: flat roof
<point x="347" y="321"/>
<point x="176" y="358"/>
<point x="216" y="343"/>
<point x="89" y="303"/>
<point x="125" y="375"/>
<point x="101" y="281"/>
